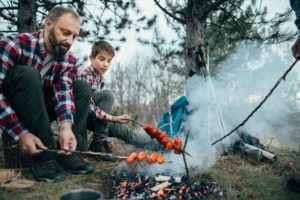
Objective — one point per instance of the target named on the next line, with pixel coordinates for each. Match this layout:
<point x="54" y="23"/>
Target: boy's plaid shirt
<point x="29" y="49"/>
<point x="96" y="83"/>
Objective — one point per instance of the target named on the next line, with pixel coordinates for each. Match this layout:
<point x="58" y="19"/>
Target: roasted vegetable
<point x="151" y="130"/>
<point x="164" y="141"/>
<point x="157" y="132"/>
<point x="161" y="136"/>
<point x="177" y="146"/>
<point x="168" y="145"/>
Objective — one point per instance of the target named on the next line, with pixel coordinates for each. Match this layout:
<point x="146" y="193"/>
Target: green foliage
<point x="230" y="26"/>
<point x="100" y="19"/>
<point x="225" y="25"/>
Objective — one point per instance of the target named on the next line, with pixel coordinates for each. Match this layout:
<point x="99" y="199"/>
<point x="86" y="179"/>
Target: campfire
<point x="131" y="185"/>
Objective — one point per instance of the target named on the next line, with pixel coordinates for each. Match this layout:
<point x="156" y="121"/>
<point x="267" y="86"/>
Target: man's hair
<point x="58" y="11"/>
<point x="102" y="46"/>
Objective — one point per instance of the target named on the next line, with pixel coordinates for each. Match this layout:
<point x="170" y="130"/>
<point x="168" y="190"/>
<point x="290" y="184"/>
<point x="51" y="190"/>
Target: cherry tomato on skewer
<point x="177" y="146"/>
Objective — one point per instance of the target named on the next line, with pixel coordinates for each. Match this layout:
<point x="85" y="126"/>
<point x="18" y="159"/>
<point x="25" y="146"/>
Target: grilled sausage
<point x="131" y="158"/>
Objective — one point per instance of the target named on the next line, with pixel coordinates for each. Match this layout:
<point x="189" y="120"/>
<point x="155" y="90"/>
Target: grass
<point x="243" y="179"/>
<point x="237" y="176"/>
<point x="51" y="191"/>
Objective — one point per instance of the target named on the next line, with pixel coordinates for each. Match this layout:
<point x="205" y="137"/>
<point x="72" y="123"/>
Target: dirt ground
<point x="238" y="177"/>
<point x="100" y="180"/>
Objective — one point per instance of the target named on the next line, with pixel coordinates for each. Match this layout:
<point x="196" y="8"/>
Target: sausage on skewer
<point x="131" y="158"/>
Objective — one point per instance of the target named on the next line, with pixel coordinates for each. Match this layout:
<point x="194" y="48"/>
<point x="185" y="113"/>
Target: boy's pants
<point x="103" y="129"/>
<point x="34" y="106"/>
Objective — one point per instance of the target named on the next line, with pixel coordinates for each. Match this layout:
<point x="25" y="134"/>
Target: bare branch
<point x="11" y="19"/>
<point x="8" y="31"/>
<point x="182" y="21"/>
<point x="8" y="8"/>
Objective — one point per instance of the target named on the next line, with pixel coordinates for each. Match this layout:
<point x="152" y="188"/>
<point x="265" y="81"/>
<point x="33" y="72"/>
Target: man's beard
<point x="57" y="49"/>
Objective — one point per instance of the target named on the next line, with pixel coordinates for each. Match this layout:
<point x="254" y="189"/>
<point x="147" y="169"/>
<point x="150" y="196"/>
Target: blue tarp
<point x="172" y="122"/>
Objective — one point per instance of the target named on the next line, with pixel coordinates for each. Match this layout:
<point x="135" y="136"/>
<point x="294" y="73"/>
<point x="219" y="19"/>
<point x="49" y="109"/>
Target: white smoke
<point x="242" y="82"/>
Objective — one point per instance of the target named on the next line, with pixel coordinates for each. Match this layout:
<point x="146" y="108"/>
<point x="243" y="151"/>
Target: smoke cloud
<point x="219" y="105"/>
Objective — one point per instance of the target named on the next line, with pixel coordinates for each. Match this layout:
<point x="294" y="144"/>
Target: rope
<point x="218" y="111"/>
<point x="208" y="114"/>
<point x="260" y="104"/>
<point x="211" y="91"/>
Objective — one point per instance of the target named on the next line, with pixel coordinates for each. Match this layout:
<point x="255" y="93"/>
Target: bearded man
<point x="36" y="88"/>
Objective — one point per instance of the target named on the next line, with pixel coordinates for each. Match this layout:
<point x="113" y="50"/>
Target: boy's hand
<point x="67" y="139"/>
<point x="122" y="119"/>
<point x="31" y="145"/>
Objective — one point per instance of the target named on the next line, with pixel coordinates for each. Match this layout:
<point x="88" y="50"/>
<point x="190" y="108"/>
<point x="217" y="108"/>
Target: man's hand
<point x="31" y="145"/>
<point x="296" y="49"/>
<point x="122" y="119"/>
<point x="67" y="138"/>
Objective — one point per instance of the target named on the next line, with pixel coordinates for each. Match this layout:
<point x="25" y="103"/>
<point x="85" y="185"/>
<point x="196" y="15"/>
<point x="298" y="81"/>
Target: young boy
<point x="99" y="120"/>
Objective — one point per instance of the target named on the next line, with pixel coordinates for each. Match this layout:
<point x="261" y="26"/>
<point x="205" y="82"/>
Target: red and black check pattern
<point x="96" y="82"/>
<point x="29" y="49"/>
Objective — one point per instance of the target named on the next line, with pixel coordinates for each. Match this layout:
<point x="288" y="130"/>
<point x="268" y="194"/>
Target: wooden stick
<point x="90" y="153"/>
<point x="184" y="160"/>
<point x="80" y="152"/>
<point x="182" y="150"/>
<point x="260" y="104"/>
<point x="132" y="120"/>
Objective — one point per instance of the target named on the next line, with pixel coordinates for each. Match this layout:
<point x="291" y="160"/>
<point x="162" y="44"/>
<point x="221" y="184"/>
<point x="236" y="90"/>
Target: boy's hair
<point x="102" y="46"/>
<point x="58" y="11"/>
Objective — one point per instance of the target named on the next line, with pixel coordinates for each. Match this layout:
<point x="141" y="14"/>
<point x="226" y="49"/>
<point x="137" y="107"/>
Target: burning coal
<point x="130" y="185"/>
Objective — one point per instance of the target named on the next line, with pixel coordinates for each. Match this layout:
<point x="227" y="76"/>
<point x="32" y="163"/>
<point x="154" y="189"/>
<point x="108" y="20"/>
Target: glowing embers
<point x="129" y="185"/>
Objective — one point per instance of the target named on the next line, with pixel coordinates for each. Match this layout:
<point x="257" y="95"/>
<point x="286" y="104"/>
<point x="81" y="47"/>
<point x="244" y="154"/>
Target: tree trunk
<point x="194" y="33"/>
<point x="27" y="10"/>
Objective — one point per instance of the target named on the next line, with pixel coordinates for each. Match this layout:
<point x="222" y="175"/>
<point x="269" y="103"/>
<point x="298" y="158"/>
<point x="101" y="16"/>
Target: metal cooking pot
<point x="82" y="194"/>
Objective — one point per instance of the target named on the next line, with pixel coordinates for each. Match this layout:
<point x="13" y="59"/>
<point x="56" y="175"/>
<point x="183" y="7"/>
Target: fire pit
<point x="130" y="185"/>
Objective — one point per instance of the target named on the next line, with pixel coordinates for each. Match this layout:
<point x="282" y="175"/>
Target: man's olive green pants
<point x="35" y="104"/>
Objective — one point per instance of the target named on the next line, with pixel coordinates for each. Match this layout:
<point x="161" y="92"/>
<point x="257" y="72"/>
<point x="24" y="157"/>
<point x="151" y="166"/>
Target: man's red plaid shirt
<point x="29" y="49"/>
